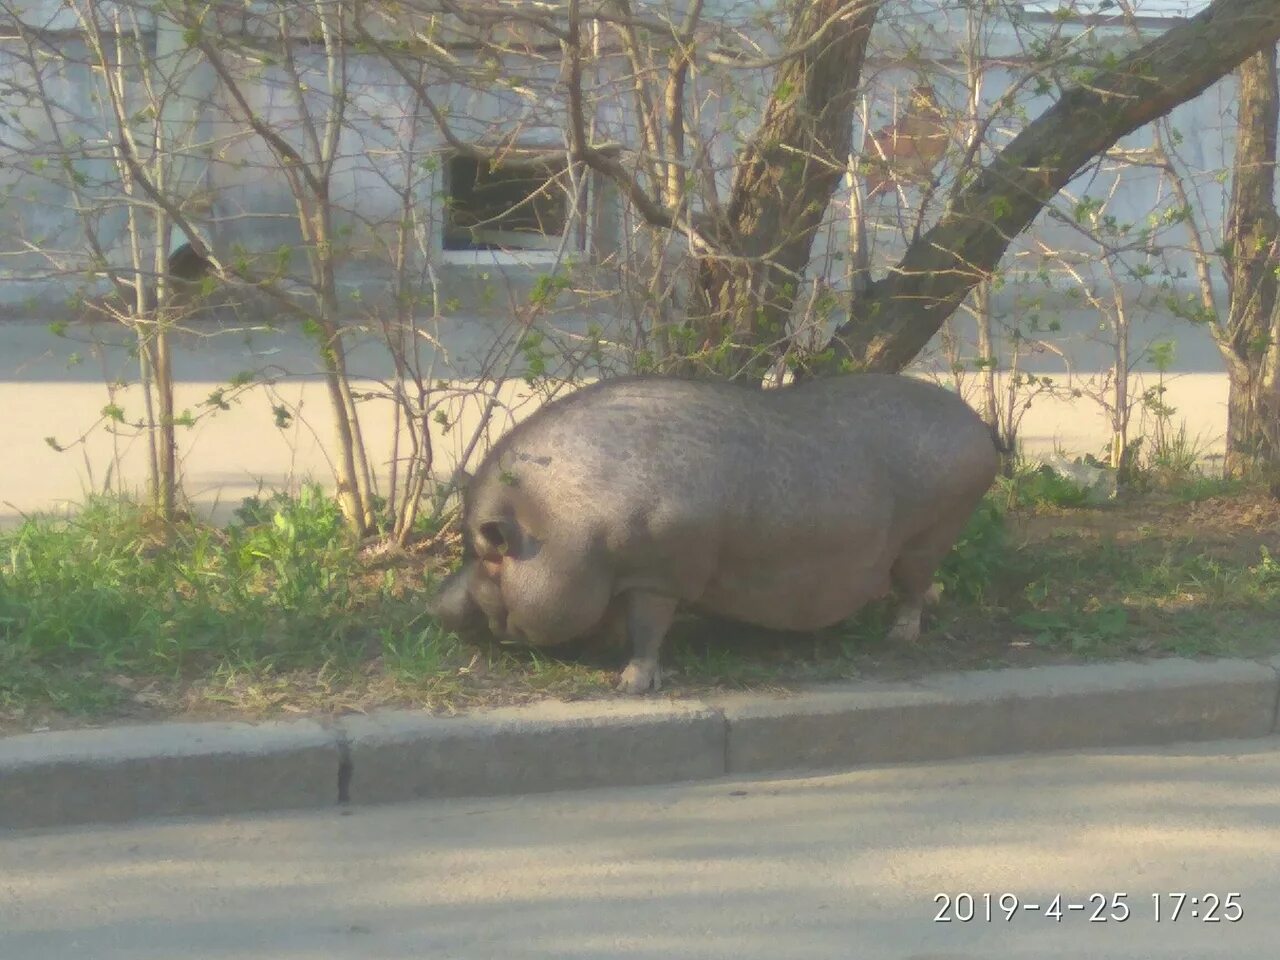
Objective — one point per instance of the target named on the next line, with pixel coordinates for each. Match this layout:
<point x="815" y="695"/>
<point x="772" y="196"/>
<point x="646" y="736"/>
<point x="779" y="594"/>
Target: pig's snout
<point x="453" y="606"/>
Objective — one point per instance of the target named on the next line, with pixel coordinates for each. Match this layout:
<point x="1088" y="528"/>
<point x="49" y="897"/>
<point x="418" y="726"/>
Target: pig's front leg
<point x="648" y="616"/>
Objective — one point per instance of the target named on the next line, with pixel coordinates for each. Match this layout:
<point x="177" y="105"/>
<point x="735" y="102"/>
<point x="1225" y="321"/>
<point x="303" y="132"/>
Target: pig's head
<point x="529" y="573"/>
<point x="470" y="599"/>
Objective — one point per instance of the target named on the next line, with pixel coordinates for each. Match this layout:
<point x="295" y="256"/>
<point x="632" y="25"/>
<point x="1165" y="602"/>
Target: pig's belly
<point x="803" y="595"/>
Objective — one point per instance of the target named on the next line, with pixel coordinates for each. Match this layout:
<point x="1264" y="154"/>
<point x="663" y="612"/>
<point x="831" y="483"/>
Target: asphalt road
<point x="236" y="452"/>
<point x="845" y="866"/>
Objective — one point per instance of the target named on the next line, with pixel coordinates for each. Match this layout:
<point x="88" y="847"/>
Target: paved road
<point x="833" y="867"/>
<point x="225" y="456"/>
<point x="228" y="456"/>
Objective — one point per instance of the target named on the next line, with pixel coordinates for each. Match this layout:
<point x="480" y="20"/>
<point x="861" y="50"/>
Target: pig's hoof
<point x="640" y="678"/>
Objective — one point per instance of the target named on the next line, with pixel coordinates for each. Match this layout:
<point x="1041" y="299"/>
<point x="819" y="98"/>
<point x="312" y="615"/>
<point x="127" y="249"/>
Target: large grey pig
<point x="787" y="508"/>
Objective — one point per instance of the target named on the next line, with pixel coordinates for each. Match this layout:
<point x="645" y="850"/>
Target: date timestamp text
<point x="1096" y="907"/>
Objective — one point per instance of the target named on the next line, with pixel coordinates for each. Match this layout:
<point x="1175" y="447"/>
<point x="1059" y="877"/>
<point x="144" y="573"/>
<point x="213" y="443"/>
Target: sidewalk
<point x="230" y="454"/>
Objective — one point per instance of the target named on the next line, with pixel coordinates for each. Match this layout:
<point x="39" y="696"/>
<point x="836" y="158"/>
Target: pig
<point x="788" y="508"/>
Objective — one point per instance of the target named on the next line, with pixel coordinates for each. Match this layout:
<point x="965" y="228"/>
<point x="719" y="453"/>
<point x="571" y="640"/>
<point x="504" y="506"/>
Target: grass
<point x="107" y="615"/>
<point x="1106" y="597"/>
<point x="95" y="607"/>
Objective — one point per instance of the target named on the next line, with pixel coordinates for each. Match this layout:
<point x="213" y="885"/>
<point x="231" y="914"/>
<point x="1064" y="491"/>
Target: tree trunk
<point x="1253" y="429"/>
<point x="785" y="178"/>
<point x="905" y="309"/>
<point x="1250" y="339"/>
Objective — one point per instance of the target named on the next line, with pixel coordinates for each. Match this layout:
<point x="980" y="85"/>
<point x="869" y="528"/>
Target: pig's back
<point x="782" y="462"/>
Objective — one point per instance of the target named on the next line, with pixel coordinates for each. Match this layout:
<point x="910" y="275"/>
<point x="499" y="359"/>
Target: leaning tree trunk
<point x="785" y="178"/>
<point x="1249" y="340"/>
<point x="903" y="310"/>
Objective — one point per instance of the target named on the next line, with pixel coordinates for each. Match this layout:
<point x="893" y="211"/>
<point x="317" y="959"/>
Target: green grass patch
<point x="1114" y="587"/>
<point x="93" y="605"/>
<point x="1198" y="486"/>
<point x="1042" y="486"/>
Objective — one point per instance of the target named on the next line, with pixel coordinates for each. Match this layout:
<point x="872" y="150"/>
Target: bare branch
<point x="938" y="270"/>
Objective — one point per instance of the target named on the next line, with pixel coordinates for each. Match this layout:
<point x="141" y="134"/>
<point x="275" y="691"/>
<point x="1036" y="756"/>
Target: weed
<point x="109" y="595"/>
<point x="1198" y="486"/>
<point x="297" y="548"/>
<point x="413" y="654"/>
<point x="1267" y="570"/>
<point x="719" y="666"/>
<point x="1040" y="485"/>
<point x="1082" y="632"/>
<point x="978" y="555"/>
<point x="1175" y="454"/>
<point x="1103" y="598"/>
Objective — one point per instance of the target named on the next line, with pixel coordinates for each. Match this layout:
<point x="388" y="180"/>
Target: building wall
<point x="239" y="196"/>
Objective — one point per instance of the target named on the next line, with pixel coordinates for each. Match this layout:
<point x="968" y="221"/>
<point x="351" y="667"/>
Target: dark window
<point x="504" y="206"/>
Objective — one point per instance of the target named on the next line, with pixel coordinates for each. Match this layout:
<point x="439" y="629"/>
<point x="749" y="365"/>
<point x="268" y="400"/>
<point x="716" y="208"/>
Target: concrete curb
<point x="982" y="713"/>
<point x="210" y="769"/>
<point x="166" y="769"/>
<point x="403" y="755"/>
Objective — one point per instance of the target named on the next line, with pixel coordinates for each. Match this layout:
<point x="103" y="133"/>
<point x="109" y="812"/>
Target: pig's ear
<point x="497" y="538"/>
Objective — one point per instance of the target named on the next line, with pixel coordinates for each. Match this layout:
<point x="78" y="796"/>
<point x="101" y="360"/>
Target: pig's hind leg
<point x="912" y="576"/>
<point x="647" y="617"/>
